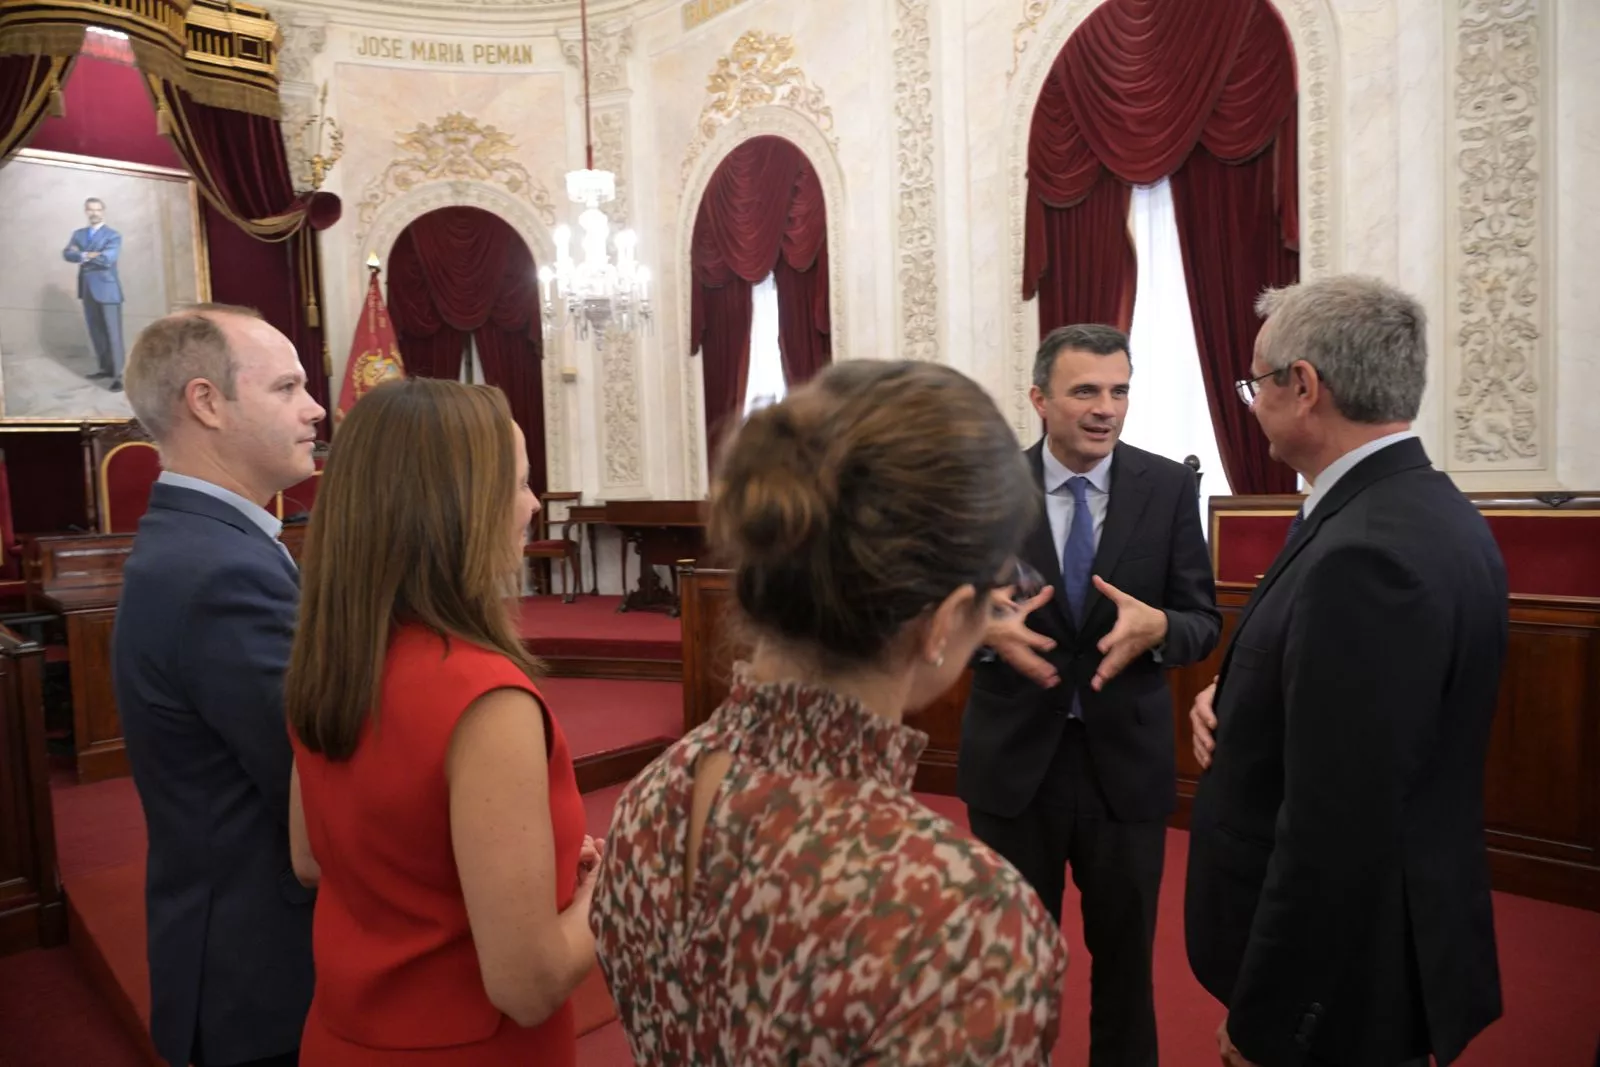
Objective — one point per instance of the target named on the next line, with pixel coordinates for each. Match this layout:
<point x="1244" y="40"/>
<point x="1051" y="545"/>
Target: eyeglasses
<point x="1250" y="388"/>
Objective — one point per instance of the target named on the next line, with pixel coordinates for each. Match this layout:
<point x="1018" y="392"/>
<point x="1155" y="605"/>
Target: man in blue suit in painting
<point x="95" y="249"/>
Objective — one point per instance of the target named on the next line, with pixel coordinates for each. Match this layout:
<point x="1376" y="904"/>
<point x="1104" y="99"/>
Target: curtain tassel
<point x="163" y="121"/>
<point x="56" y="106"/>
<point x="313" y="315"/>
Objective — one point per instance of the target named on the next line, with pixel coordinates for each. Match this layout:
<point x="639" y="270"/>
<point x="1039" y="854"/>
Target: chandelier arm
<point x="588" y="135"/>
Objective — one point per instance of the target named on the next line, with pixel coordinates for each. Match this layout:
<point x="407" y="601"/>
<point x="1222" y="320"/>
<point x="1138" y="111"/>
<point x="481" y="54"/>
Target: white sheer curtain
<point x="1167" y="413"/>
<point x="471" y="365"/>
<point x="765" y="383"/>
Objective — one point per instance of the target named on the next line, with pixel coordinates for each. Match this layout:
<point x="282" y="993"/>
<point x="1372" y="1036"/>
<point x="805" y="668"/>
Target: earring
<point x="938" y="661"/>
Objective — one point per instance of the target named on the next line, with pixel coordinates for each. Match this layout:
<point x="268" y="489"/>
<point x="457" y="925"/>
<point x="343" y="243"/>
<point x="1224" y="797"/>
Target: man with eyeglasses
<point x="1338" y="881"/>
<point x="1067" y="753"/>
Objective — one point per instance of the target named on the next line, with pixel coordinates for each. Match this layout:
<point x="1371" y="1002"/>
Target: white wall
<point x="941" y="103"/>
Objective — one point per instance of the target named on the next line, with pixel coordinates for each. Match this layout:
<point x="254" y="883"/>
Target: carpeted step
<point x="592" y="628"/>
<point x="602" y="714"/>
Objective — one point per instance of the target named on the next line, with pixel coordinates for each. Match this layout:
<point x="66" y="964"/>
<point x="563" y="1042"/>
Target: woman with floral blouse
<point x="772" y="893"/>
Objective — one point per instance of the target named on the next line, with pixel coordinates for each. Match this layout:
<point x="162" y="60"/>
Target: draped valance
<point x="762" y="213"/>
<point x="1143" y="82"/>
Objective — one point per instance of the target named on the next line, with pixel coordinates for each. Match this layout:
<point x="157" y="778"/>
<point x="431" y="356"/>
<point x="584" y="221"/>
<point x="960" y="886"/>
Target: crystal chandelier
<point x="593" y="293"/>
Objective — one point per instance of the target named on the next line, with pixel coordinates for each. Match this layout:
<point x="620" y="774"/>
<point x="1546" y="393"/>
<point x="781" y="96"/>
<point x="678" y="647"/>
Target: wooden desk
<point x="663" y="532"/>
<point x="32" y="912"/>
<point x="588" y="516"/>
<point x="81" y="580"/>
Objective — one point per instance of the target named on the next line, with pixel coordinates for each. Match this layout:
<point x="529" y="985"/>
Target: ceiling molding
<point x="455" y="16"/>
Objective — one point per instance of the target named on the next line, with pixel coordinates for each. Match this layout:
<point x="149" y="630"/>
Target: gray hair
<point x="172" y="352"/>
<point x="1087" y="337"/>
<point x="1366" y="338"/>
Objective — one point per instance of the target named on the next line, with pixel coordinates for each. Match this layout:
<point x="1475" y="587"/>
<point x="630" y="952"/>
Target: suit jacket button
<point x="1308" y="1026"/>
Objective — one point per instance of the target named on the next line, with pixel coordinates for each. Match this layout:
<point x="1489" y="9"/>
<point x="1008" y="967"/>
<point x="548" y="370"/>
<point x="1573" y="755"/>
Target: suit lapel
<point x="1039" y="549"/>
<point x="1402" y="456"/>
<point x="1130" y="492"/>
<point x="178" y="498"/>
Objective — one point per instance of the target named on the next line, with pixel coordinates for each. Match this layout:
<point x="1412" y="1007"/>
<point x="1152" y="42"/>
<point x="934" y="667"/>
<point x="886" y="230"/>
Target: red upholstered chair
<point x="544" y="549"/>
<point x="126" y="465"/>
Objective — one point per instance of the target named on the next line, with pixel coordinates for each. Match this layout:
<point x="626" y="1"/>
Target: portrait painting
<point x="95" y="251"/>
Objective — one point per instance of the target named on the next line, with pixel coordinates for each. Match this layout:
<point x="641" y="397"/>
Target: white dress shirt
<point x="1345" y="464"/>
<point x="1058" y="498"/>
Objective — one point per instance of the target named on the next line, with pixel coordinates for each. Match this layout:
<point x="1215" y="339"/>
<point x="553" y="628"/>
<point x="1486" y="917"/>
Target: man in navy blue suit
<point x="200" y="646"/>
<point x="95" y="249"/>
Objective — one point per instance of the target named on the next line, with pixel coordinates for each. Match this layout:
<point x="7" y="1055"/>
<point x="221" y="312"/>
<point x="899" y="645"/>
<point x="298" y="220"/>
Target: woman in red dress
<point x="434" y="800"/>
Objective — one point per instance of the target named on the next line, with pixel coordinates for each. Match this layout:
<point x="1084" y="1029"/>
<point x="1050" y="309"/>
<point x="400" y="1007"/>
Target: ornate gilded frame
<point x="159" y="243"/>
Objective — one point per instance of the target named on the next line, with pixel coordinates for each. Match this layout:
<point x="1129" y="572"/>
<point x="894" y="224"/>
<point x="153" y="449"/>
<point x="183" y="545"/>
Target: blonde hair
<point x="412" y="525"/>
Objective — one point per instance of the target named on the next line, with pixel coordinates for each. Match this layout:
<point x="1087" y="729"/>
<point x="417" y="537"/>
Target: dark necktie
<point x="1294" y="524"/>
<point x="1077" y="555"/>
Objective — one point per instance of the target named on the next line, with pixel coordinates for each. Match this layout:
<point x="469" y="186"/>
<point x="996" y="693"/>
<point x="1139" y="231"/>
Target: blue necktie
<point x="1077" y="555"/>
<point x="1294" y="524"/>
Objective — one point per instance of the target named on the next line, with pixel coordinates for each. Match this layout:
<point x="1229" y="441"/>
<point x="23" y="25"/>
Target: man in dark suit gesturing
<point x="1067" y="743"/>
<point x="201" y="642"/>
<point x="95" y="249"/>
<point x="1338" y="888"/>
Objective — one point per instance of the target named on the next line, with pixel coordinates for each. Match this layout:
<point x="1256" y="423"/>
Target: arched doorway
<point x="1198" y="101"/>
<point x="760" y="245"/>
<point x="461" y="278"/>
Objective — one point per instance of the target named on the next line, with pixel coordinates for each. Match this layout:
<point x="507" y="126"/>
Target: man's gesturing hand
<point x="1009" y="636"/>
<point x="1203" y="724"/>
<point x="1139" y="628"/>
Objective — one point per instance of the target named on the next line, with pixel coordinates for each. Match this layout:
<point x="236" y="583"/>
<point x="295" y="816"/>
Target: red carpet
<point x="50" y="1014"/>
<point x="592" y="628"/>
<point x="598" y="716"/>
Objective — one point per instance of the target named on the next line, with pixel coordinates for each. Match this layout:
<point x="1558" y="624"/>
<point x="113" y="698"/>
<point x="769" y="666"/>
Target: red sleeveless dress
<point x="397" y="973"/>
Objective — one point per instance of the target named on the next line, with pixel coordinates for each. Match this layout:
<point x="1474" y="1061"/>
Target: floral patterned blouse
<point x="833" y="919"/>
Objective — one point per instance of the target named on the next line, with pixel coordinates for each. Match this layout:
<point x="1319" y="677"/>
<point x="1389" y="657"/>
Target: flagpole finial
<point x="372" y="261"/>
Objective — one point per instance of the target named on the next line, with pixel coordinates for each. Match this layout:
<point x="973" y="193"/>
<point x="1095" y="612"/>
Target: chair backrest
<point x="125" y="471"/>
<point x="10" y="554"/>
<point x="545" y="519"/>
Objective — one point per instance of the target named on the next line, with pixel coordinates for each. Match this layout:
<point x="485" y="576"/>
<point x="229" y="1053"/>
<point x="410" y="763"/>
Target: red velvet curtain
<point x="241" y="165"/>
<point x="1086" y="270"/>
<point x="26" y="83"/>
<point x="459" y="272"/>
<point x="430" y="348"/>
<point x="1142" y="91"/>
<point x="762" y="213"/>
<point x="1233" y="248"/>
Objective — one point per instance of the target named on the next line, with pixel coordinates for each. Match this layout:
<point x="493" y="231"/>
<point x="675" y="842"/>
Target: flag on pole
<point x="374" y="351"/>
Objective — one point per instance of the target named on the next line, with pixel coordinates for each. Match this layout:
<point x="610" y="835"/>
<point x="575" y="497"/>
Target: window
<point x="764" y="383"/>
<point x="1169" y="414"/>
